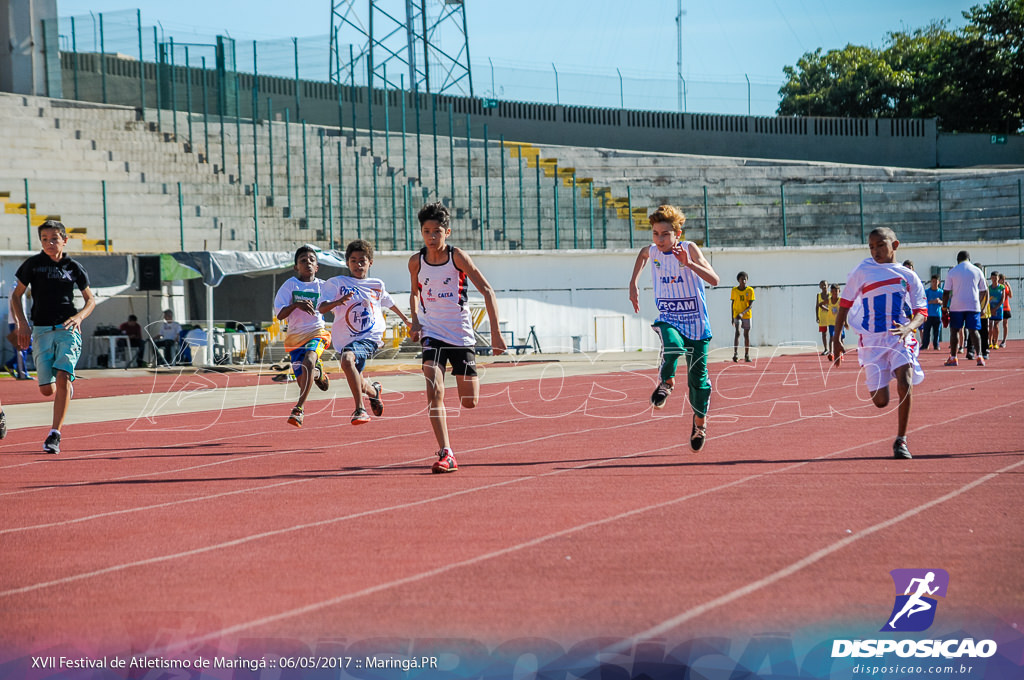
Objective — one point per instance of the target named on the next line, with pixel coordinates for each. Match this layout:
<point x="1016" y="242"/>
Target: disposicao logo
<point x="916" y="590"/>
<point x="914" y="611"/>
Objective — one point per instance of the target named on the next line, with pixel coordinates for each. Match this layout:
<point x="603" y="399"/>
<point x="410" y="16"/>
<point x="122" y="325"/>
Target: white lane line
<point x="692" y="613"/>
<point x="316" y="606"/>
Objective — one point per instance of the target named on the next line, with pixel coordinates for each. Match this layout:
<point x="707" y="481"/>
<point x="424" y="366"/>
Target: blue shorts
<point x="969" y="320"/>
<point x="363" y="350"/>
<point x="996" y="313"/>
<point x="316" y="345"/>
<point x="55" y="348"/>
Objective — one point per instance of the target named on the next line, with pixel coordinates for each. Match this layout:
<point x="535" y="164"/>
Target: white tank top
<point x="443" y="314"/>
<point x="679" y="295"/>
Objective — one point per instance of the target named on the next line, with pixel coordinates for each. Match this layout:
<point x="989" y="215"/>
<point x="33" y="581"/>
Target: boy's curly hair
<point x="670" y="214"/>
<point x="435" y="211"/>
<point x="357" y="246"/>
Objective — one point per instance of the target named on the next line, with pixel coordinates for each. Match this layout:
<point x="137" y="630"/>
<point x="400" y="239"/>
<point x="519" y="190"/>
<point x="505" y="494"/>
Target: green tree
<point x="971" y="79"/>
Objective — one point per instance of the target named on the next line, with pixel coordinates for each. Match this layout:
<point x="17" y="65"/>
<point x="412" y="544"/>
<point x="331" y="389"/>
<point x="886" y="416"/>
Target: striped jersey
<point x="876" y="295"/>
<point x="443" y="314"/>
<point x="679" y="295"/>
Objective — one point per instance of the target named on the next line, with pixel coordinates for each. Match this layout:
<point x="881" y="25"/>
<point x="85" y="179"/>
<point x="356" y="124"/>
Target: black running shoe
<point x="3" y="424"/>
<point x="900" y="450"/>
<point x="698" y="434"/>
<point x="660" y="395"/>
<point x="52" y="443"/>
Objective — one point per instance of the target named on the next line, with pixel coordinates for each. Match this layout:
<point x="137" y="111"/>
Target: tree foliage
<point x="971" y="79"/>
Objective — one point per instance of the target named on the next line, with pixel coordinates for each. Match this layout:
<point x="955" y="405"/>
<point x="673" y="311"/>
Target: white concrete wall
<point x="584" y="293"/>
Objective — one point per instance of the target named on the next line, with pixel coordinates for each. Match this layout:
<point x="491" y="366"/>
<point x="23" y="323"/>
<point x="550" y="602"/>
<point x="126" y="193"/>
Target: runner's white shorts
<point x="881" y="354"/>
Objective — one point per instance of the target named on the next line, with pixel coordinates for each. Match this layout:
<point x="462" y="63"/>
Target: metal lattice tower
<point x="395" y="37"/>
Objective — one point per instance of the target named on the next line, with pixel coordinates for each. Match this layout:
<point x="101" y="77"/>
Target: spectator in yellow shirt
<point x="742" y="298"/>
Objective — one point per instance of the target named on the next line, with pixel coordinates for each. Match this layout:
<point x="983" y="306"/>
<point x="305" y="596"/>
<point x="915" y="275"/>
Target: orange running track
<point x="579" y="521"/>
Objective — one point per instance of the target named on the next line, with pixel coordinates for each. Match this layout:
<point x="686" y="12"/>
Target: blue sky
<point x="725" y="42"/>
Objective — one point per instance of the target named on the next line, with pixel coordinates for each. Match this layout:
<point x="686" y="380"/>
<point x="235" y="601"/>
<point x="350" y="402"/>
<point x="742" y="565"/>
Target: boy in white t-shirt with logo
<point x="358" y="330"/>
<point x="876" y="292"/>
<point x="307" y="336"/>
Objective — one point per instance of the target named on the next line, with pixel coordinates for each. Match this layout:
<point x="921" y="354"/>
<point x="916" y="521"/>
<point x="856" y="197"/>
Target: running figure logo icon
<point x="914" y="609"/>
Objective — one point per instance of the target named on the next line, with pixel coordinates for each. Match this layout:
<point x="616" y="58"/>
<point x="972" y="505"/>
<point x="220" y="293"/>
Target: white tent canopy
<point x="213" y="266"/>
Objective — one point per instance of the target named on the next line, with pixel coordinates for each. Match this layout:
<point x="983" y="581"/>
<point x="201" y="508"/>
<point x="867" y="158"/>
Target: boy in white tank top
<point x="680" y="271"/>
<point x="442" y="322"/>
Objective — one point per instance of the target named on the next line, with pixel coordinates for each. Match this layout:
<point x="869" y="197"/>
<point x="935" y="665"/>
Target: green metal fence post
<point x="707" y="219"/>
<point x="406" y="190"/>
<point x="376" y="209"/>
<point x="941" y="235"/>
<point x="206" y="117"/>
<point x="255" y="115"/>
<point x="485" y="206"/>
<point x="220" y="117"/>
<point x="394" y="214"/>
<point x="540" y="243"/>
<point x="157" y="67"/>
<point x="351" y="90"/>
<point x="1020" y="210"/>
<point x="590" y="209"/>
<point x="604" y="223"/>
<point x="483" y="225"/>
<point x="330" y="218"/>
<point x="28" y="219"/>
<point x="504" y="220"/>
<point x="188" y="100"/>
<point x="387" y="118"/>
<point x="341" y="197"/>
<point x="142" y="65"/>
<point x="174" y="94"/>
<point x="238" y="128"/>
<point x="860" y="192"/>
<point x="106" y="231"/>
<point x="629" y="218"/>
<point x="359" y="211"/>
<point x="469" y="175"/>
<point x="433" y="125"/>
<point x="270" y="143"/>
<point x="451" y="148"/>
<point x="323" y="184"/>
<point x="785" y="230"/>
<point x="405" y="166"/>
<point x="74" y="63"/>
<point x="298" y="88"/>
<point x="522" y="208"/>
<point x="288" y="159"/>
<point x="305" y="175"/>
<point x="558" y="242"/>
<point x="181" y="219"/>
<point x="575" y="226"/>
<point x="103" y="61"/>
<point x="419" y="141"/>
<point x="256" y="213"/>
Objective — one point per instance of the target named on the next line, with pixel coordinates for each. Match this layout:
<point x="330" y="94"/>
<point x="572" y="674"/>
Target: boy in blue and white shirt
<point x="358" y="331"/>
<point x="874" y="297"/>
<point x="680" y="271"/>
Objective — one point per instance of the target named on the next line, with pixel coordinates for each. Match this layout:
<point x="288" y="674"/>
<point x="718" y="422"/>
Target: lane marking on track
<point x="430" y="574"/>
<point x="692" y="613"/>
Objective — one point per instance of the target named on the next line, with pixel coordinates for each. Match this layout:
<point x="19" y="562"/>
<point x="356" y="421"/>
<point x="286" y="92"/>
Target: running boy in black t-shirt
<point x="56" y="333"/>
